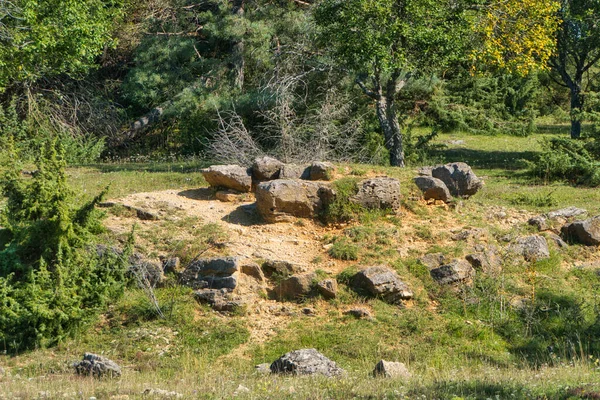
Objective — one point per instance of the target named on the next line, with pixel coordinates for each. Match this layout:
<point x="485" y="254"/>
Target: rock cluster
<point x="444" y="181"/>
<point x="305" y="362"/>
<point x="97" y="366"/>
<point x="381" y="281"/>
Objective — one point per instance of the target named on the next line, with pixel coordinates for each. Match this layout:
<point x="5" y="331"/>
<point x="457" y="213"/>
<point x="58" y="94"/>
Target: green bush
<point x="342" y="209"/>
<point x="52" y="280"/>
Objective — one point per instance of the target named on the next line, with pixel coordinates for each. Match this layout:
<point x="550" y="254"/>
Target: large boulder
<point x="212" y="273"/>
<point x="294" y="171"/>
<point x="229" y="177"/>
<point x="459" y="178"/>
<point x="391" y="369"/>
<point x="452" y="273"/>
<point x="532" y="248"/>
<point x="586" y="232"/>
<point x="433" y="188"/>
<point x="382" y="282"/>
<point x="321" y="171"/>
<point x="97" y="366"/>
<point x="266" y="169"/>
<point x="296" y="286"/>
<point x="378" y="193"/>
<point x="305" y="362"/>
<point x="280" y="200"/>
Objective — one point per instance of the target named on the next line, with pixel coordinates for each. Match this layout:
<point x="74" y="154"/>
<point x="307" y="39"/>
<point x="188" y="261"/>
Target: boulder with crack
<point x="381" y="281"/>
<point x="306" y="362"/>
<point x="266" y="169"/>
<point x="586" y="232"/>
<point x="211" y="273"/>
<point x="378" y="193"/>
<point x="459" y="178"/>
<point x="229" y="177"/>
<point x="284" y="199"/>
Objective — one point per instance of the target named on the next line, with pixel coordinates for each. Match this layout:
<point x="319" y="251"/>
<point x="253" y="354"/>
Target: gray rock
<point x="425" y="171"/>
<point x="229" y="177"/>
<point x="433" y="188"/>
<point x="171" y="265"/>
<point x="454" y="272"/>
<point x="309" y="311"/>
<point x="540" y="222"/>
<point x="568" y="212"/>
<point x="434" y="260"/>
<point x="321" y="171"/>
<point x="281" y="268"/>
<point x="486" y="260"/>
<point x="211" y="273"/>
<point x="266" y="169"/>
<point x="253" y="269"/>
<point x="305" y="362"/>
<point x="475" y="233"/>
<point x="146" y="273"/>
<point x="557" y="240"/>
<point x="296" y="286"/>
<point x="97" y="366"/>
<point x="220" y="300"/>
<point x="586" y="232"/>
<point x="534" y="247"/>
<point x="378" y="193"/>
<point x="294" y="171"/>
<point x="360" y="313"/>
<point x="382" y="282"/>
<point x="283" y="199"/>
<point x="328" y="288"/>
<point x="459" y="178"/>
<point x="391" y="369"/>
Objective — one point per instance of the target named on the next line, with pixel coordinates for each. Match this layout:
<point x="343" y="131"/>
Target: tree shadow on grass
<point x="184" y="167"/>
<point x="507" y="160"/>
<point x="480" y="389"/>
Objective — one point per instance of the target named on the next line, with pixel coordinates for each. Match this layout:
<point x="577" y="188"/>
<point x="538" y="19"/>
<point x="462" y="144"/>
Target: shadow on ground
<point x="507" y="160"/>
<point x="245" y="215"/>
<point x="198" y="194"/>
<point x="187" y="167"/>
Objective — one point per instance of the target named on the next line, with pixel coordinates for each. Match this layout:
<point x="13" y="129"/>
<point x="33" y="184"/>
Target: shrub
<point x="50" y="281"/>
<point x="342" y="209"/>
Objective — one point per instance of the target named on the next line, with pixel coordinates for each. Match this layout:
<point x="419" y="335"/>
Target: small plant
<point x="424" y="232"/>
<point x="344" y="249"/>
<point x="342" y="209"/>
<point x="346" y="275"/>
<point x="534" y="199"/>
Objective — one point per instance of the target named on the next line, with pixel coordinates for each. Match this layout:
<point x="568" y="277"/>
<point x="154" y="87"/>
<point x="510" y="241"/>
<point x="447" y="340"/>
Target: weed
<point x="344" y="249"/>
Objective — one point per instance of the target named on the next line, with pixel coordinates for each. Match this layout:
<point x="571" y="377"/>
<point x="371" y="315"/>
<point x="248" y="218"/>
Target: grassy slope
<point x="469" y="346"/>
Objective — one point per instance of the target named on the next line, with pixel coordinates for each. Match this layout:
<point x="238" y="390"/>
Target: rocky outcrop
<point x="391" y="369"/>
<point x="586" y="232"/>
<point x="296" y="286"/>
<point x="433" y="188"/>
<point x="434" y="260"/>
<point x="381" y="281"/>
<point x="532" y="248"/>
<point x="568" y="212"/>
<point x="457" y="271"/>
<point x="283" y="199"/>
<point x="254" y="270"/>
<point x="321" y="171"/>
<point x="211" y="273"/>
<point x="486" y="259"/>
<point x="281" y="268"/>
<point x="294" y="171"/>
<point x="305" y="362"/>
<point x="229" y="177"/>
<point x="97" y="366"/>
<point x="458" y="178"/>
<point x="266" y="169"/>
<point x="328" y="288"/>
<point x="378" y="193"/>
<point x="221" y="300"/>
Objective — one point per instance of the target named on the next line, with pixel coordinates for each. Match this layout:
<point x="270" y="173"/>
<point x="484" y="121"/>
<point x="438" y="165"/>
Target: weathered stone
<point x="97" y="366"/>
<point x="557" y="240"/>
<point x="305" y="362"/>
<point x="433" y="188"/>
<point x="296" y="286"/>
<point x="586" y="232"/>
<point x="171" y="265"/>
<point x="391" y="369"/>
<point x="253" y="269"/>
<point x="294" y="171"/>
<point x="475" y="233"/>
<point x="454" y="272"/>
<point x="378" y="193"/>
<point x="534" y="247"/>
<point x="280" y="200"/>
<point x="540" y="222"/>
<point x="328" y="288"/>
<point x="281" y="268"/>
<point x="211" y="273"/>
<point x="227" y="196"/>
<point x="229" y="177"/>
<point x="219" y="299"/>
<point x="266" y="169"/>
<point x="146" y="273"/>
<point x="568" y="212"/>
<point x="434" y="260"/>
<point x="425" y="171"/>
<point x="459" y="178"/>
<point x="321" y="171"/>
<point x="382" y="281"/>
<point x="359" y="313"/>
<point x="487" y="261"/>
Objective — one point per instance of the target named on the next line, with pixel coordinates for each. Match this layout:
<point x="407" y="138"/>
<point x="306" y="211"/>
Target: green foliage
<point x="535" y="199"/>
<point x="50" y="284"/>
<point x="342" y="209"/>
<point x="344" y="249"/>
<point x="574" y="161"/>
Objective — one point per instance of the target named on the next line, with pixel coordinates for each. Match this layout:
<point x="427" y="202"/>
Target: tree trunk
<point x="576" y="109"/>
<point x="391" y="131"/>
<point x="237" y="57"/>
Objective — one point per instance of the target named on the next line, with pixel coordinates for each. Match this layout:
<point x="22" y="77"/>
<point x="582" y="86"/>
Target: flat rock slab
<point x="381" y="281"/>
<point x="305" y="362"/>
<point x="568" y="212"/>
<point x="586" y="232"/>
<point x="97" y="366"/>
<point x="212" y="273"/>
<point x="229" y="177"/>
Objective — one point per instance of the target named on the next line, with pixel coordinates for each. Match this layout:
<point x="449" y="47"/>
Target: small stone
<point x="296" y="286"/>
<point x="586" y="232"/>
<point x="171" y="265"/>
<point x="459" y="178"/>
<point x="382" y="281"/>
<point x="308" y="311"/>
<point x="475" y="233"/>
<point x="253" y="269"/>
<point x="391" y="369"/>
<point x="540" y="222"/>
<point x="264" y="368"/>
<point x="434" y="260"/>
<point x="321" y="171"/>
<point x="433" y="188"/>
<point x="557" y="240"/>
<point x="328" y="288"/>
<point x="532" y="248"/>
<point x="266" y="169"/>
<point x="359" y="313"/>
